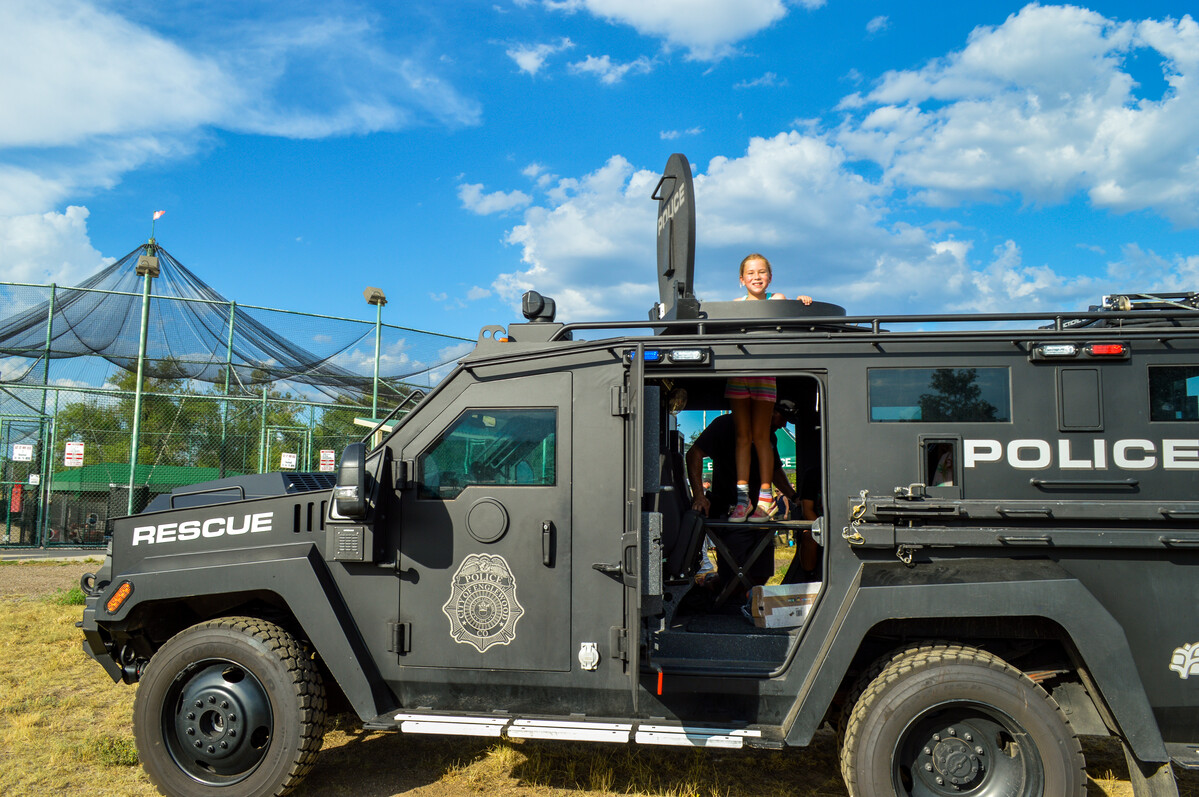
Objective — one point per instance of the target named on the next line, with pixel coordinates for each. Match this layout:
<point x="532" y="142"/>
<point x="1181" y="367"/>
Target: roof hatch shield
<point x="676" y="241"/>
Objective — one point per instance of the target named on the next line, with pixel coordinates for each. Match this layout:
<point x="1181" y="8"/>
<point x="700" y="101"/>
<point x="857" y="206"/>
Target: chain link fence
<point x="227" y="390"/>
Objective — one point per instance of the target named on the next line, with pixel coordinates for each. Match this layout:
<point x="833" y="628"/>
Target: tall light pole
<point x="375" y="296"/>
<point x="147" y="268"/>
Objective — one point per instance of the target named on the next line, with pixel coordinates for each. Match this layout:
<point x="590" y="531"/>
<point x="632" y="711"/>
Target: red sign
<point x="18" y="490"/>
<point x="73" y="455"/>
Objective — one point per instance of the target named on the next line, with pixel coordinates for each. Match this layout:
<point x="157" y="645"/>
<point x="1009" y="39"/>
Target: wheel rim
<point x="217" y="722"/>
<point x="966" y="749"/>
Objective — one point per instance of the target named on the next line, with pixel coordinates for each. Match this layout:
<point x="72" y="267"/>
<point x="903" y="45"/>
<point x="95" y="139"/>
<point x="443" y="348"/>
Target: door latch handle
<point x="547" y="543"/>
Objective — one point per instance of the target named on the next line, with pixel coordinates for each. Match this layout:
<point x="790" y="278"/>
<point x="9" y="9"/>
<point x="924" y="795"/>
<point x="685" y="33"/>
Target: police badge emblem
<point x="482" y="608"/>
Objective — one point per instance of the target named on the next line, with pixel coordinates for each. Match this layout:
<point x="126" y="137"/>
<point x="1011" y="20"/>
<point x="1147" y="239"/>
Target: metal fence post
<point x="225" y="403"/>
<point x="262" y="433"/>
<point x="47" y="458"/>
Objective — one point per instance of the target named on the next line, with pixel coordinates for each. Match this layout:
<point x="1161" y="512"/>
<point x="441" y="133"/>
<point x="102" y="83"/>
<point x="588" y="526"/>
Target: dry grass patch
<point x="63" y="723"/>
<point x="65" y="730"/>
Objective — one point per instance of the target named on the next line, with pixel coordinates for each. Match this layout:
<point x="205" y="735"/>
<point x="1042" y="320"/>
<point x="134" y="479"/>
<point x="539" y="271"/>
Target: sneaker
<point x="762" y="513"/>
<point x="739" y="514"/>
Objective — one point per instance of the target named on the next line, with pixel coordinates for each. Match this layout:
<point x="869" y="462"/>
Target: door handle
<point x="547" y="543"/>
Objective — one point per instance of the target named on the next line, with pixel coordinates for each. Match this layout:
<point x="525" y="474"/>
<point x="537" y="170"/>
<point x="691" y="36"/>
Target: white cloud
<point x="1139" y="270"/>
<point x="591" y="246"/>
<point x="475" y="293"/>
<point x="826" y="229"/>
<point x="877" y="25"/>
<point x="74" y="72"/>
<point x="671" y="135"/>
<point x="767" y="80"/>
<point x="1043" y="106"/>
<point x="707" y="29"/>
<point x="48" y="247"/>
<point x="474" y="200"/>
<point x="531" y="57"/>
<point x="610" y="73"/>
<point x="89" y="95"/>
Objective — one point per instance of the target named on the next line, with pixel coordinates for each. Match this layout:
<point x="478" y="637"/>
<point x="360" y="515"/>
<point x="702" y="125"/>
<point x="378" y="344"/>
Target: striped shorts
<point x="758" y="388"/>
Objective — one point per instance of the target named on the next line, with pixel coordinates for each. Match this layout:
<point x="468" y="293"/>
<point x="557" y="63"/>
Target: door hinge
<point x="401" y="638"/>
<point x="620" y="400"/>
<point x="618" y="643"/>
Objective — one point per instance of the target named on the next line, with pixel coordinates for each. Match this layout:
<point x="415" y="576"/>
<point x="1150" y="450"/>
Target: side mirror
<point x="349" y="496"/>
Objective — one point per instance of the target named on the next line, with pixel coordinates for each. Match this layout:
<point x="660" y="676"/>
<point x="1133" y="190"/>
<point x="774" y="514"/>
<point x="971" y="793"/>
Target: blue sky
<point x="887" y="156"/>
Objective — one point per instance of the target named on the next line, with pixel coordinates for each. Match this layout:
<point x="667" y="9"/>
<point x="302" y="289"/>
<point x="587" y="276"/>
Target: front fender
<point x="984" y="588"/>
<point x="294" y="572"/>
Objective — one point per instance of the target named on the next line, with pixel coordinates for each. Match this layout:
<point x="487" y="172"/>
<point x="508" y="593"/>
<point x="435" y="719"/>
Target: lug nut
<point x="211" y="699"/>
<point x="928" y="751"/>
<point x="968" y="738"/>
<point x="233" y="718"/>
<point x="232" y="734"/>
<point x="191" y="731"/>
<point x="199" y="743"/>
<point x="940" y="780"/>
<point x="199" y="704"/>
<point x="224" y="745"/>
<point x="979" y="750"/>
<point x="211" y="749"/>
<point x="953" y="732"/>
<point x="224" y="704"/>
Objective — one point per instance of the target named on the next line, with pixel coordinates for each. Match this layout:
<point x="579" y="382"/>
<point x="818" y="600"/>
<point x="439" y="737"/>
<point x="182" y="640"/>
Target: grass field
<point x="64" y="730"/>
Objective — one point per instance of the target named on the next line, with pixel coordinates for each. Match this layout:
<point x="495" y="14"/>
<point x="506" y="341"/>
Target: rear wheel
<point x="945" y="720"/>
<point x="231" y="707"/>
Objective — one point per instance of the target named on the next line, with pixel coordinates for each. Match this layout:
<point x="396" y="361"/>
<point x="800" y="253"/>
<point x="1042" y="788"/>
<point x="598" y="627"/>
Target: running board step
<point x="1185" y="755"/>
<point x="654" y="732"/>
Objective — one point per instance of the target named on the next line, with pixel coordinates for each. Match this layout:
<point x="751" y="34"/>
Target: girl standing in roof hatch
<point x="752" y="400"/>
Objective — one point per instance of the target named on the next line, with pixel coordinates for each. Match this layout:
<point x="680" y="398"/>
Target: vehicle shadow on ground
<point x="375" y="764"/>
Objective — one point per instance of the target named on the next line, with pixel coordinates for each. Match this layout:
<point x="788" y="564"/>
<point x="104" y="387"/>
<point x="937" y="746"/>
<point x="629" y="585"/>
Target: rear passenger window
<point x="955" y="395"/>
<point x="1174" y="393"/>
<point x="491" y="447"/>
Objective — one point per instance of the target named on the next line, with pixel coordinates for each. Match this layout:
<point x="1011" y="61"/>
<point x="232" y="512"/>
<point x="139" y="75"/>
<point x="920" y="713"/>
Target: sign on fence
<point x="288" y="461"/>
<point x="327" y="460"/>
<point x="22" y="452"/>
<point x="73" y="457"/>
<point x="35" y="479"/>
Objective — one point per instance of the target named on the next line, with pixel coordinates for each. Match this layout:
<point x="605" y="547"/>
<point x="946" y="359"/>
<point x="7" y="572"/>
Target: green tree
<point x="955" y="396"/>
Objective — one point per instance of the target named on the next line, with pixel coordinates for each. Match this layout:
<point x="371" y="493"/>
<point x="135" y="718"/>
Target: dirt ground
<point x="36" y="579"/>
<point x="354" y="762"/>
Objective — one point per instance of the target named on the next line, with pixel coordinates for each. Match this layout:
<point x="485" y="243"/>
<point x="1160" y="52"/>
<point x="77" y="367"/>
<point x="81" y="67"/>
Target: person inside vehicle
<point x="751" y="399"/>
<point x="719" y="442"/>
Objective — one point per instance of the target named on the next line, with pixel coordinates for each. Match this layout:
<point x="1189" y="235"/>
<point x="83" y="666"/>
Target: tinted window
<point x="957" y="395"/>
<point x="1174" y="393"/>
<point x="491" y="447"/>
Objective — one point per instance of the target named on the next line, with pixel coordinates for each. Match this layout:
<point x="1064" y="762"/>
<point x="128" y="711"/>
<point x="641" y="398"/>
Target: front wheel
<point x="231" y="707"/>
<point x="945" y="720"/>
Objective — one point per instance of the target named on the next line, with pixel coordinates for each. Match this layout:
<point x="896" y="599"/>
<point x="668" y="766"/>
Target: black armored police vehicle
<point x="1002" y="510"/>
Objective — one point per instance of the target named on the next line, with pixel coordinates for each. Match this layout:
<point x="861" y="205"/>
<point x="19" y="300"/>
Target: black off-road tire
<point x="941" y="720"/>
<point x="232" y="707"/>
<point x="866" y="678"/>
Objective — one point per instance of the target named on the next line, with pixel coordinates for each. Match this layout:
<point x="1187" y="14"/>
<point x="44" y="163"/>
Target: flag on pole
<point x="158" y="214"/>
